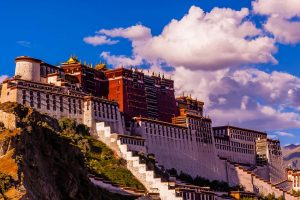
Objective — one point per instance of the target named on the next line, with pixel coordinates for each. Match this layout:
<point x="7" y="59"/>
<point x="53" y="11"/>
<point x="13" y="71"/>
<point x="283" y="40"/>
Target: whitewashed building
<point x="44" y="87"/>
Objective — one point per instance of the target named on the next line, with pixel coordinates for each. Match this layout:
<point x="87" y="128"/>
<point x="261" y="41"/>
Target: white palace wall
<point x="179" y="149"/>
<point x="60" y="102"/>
<point x="100" y="110"/>
<point x="236" y="151"/>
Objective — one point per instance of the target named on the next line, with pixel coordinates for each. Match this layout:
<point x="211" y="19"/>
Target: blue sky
<point x="53" y="30"/>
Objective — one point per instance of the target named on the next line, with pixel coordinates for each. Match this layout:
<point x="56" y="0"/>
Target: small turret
<point x="28" y="68"/>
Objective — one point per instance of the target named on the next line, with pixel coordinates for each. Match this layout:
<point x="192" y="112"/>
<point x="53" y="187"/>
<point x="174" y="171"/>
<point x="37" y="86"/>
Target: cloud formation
<point x="282" y="19"/>
<point x="120" y="60"/>
<point x="215" y="40"/>
<point x="284" y="8"/>
<point x="137" y="32"/>
<point x="3" y="77"/>
<point x="99" y="40"/>
<point x="210" y="54"/>
<point x="245" y="97"/>
<point x="24" y="43"/>
<point x="282" y="133"/>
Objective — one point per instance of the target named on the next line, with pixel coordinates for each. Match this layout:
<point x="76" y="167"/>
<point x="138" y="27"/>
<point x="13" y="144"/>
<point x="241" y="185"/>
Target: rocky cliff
<point x="38" y="162"/>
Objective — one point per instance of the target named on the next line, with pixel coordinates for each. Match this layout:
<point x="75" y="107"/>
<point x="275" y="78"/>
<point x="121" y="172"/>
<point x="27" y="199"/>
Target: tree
<point x="82" y="130"/>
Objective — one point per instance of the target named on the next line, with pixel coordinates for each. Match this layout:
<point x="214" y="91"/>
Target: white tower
<point x="28" y="68"/>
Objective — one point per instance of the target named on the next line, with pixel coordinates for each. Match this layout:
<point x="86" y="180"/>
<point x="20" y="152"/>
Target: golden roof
<point x="100" y="66"/>
<point x="72" y="60"/>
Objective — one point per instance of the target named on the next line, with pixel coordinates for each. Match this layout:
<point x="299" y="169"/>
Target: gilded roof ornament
<point x="101" y="66"/>
<point x="72" y="60"/>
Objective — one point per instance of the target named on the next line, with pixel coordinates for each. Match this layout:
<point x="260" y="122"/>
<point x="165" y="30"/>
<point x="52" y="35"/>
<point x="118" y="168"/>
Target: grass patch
<point x="214" y="185"/>
<point x="99" y="158"/>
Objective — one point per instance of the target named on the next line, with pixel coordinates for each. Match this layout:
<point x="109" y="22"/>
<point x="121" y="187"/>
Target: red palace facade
<point x="138" y="95"/>
<point x="141" y="95"/>
<point x="91" y="80"/>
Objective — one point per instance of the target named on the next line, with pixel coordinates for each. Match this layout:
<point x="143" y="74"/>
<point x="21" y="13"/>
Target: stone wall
<point x="262" y="171"/>
<point x="236" y="150"/>
<point x="253" y="183"/>
<point x="182" y="151"/>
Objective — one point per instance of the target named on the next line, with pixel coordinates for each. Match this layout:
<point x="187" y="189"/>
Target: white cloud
<point x="99" y="40"/>
<point x="24" y="43"/>
<point x="3" y="77"/>
<point x="280" y="22"/>
<point x="219" y="39"/>
<point x="285" y="31"/>
<point x="245" y="97"/>
<point x="284" y="8"/>
<point x="117" y="61"/>
<point x="282" y="133"/>
<point x="206" y="52"/>
<point x="137" y="32"/>
<point x="271" y="136"/>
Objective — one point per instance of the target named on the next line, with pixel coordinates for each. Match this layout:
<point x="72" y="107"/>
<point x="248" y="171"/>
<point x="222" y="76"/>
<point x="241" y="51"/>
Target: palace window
<point x="54" y="102"/>
<point x="48" y="101"/>
<point x="74" y="105"/>
<point x="61" y="104"/>
<point x="39" y="100"/>
<point x="70" y="107"/>
<point x="31" y="99"/>
<point x="24" y="96"/>
<point x="111" y="112"/>
<point x="116" y="113"/>
<point x="95" y="109"/>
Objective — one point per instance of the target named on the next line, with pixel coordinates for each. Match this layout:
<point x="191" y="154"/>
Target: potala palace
<point x="132" y="111"/>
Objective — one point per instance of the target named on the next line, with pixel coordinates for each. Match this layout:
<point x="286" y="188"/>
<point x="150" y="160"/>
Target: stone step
<point x="136" y="161"/>
<point x="150" y="176"/>
<point x="142" y="168"/>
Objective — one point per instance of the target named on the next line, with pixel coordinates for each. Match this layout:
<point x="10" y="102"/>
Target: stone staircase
<point x="166" y="189"/>
<point x="256" y="184"/>
<point x="153" y="184"/>
<point x="115" y="188"/>
<point x="285" y="185"/>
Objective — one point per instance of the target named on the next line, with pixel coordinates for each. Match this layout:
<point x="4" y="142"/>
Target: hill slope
<point x="40" y="160"/>
<point x="291" y="156"/>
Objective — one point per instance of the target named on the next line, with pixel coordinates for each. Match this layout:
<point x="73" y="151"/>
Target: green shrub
<point x="270" y="197"/>
<point x="172" y="172"/>
<point x="67" y="124"/>
<point x="296" y="193"/>
<point x="102" y="162"/>
<point x="203" y="182"/>
<point x="82" y="130"/>
<point x="99" y="159"/>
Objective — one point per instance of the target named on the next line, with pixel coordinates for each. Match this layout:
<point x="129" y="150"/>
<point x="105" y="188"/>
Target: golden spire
<point x="72" y="60"/>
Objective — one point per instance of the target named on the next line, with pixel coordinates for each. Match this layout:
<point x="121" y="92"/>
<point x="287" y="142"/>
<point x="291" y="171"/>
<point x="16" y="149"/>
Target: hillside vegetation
<point x="49" y="159"/>
<point x="100" y="160"/>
